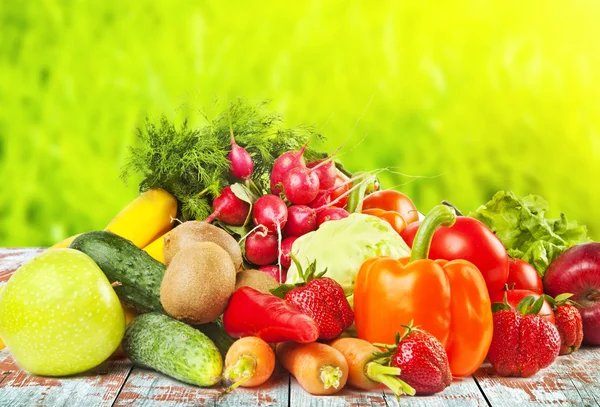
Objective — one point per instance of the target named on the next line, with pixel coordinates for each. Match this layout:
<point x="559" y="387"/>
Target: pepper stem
<point x="440" y="215"/>
<point x="240" y="372"/>
<point x="389" y="376"/>
<point x="330" y="376"/>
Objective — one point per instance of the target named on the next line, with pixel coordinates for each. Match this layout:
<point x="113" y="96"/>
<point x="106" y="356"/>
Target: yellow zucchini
<point x="64" y="243"/>
<point x="156" y="248"/>
<point x="149" y="216"/>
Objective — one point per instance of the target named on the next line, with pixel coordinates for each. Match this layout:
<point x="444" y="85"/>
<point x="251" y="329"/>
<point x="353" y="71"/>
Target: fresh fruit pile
<point x="280" y="259"/>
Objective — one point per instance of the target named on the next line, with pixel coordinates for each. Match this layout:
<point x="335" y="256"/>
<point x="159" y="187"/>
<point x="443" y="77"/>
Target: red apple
<point x="523" y="276"/>
<point x="577" y="271"/>
<point x="513" y="297"/>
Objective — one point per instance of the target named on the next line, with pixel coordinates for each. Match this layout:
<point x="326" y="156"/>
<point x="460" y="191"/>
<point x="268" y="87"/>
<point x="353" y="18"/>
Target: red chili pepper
<point x="471" y="240"/>
<point x="252" y="313"/>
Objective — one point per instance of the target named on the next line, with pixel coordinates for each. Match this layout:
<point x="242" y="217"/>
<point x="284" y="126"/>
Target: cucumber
<point x="216" y="332"/>
<point x="137" y="272"/>
<point x="173" y="348"/>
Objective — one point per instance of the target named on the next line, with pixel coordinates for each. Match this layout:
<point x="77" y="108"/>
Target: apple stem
<point x="116" y="284"/>
<point x="594" y="296"/>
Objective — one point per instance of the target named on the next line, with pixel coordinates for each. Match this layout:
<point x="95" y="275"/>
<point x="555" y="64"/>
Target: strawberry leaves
<point x="561" y="299"/>
<point x="305" y="275"/>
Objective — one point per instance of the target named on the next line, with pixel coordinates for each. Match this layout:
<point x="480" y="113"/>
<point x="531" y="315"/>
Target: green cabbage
<point x="342" y="246"/>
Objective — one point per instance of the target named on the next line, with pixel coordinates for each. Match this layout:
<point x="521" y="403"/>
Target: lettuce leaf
<point x="521" y="225"/>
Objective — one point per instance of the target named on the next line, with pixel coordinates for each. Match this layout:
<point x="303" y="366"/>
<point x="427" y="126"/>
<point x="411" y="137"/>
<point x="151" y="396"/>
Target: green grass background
<point x="477" y="96"/>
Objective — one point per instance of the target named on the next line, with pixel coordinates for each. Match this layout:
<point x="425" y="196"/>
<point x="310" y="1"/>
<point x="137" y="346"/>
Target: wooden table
<point x="572" y="380"/>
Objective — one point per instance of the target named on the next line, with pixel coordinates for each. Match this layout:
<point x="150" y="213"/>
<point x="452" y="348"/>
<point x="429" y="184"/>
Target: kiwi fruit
<point x="256" y="279"/>
<point x="196" y="232"/>
<point x="198" y="283"/>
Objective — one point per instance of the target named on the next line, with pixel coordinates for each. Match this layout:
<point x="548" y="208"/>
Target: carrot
<point x="319" y="368"/>
<point x="366" y="371"/>
<point x="249" y="362"/>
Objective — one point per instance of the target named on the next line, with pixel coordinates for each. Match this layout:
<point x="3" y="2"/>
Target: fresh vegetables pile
<point x="279" y="254"/>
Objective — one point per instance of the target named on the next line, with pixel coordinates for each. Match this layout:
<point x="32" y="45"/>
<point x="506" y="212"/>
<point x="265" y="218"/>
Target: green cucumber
<point x="173" y="348"/>
<point x="123" y="262"/>
<point x="216" y="332"/>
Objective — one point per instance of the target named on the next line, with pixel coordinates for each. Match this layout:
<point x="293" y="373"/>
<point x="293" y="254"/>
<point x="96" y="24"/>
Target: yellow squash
<point x="149" y="216"/>
<point x="156" y="248"/>
<point x="64" y="243"/>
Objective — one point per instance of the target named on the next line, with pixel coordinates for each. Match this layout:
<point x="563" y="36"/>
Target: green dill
<point x="191" y="162"/>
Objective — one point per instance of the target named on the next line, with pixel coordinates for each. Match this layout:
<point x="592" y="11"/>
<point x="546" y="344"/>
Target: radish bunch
<point x="314" y="192"/>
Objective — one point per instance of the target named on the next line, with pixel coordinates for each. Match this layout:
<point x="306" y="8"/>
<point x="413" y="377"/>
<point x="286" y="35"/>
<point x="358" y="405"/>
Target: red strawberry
<point x="523" y="342"/>
<point x="422" y="360"/>
<point x="568" y="322"/>
<point x="324" y="301"/>
<point x="321" y="298"/>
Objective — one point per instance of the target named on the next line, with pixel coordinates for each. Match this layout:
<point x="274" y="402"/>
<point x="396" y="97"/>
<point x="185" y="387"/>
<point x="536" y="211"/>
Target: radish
<point x="271" y="212"/>
<point x="273" y="271"/>
<point x="300" y="185"/>
<point x="323" y="198"/>
<point x="301" y="220"/>
<point x="325" y="170"/>
<point x="331" y="214"/>
<point x="283" y="164"/>
<point x="241" y="162"/>
<point x="286" y="249"/>
<point x="229" y="209"/>
<point x="261" y="248"/>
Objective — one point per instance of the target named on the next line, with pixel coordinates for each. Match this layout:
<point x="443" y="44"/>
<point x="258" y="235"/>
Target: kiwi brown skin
<point x="198" y="283"/>
<point x="197" y="231"/>
<point x="256" y="279"/>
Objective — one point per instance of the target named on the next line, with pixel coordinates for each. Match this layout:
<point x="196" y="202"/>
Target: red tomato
<point x="339" y="191"/>
<point x="514" y="296"/>
<point x="523" y="276"/>
<point x="471" y="240"/>
<point x="390" y="200"/>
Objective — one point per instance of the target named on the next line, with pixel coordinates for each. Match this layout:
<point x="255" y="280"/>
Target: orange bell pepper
<point x="448" y="299"/>
<point x="392" y="217"/>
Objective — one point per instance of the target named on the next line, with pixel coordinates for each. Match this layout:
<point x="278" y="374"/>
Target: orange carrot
<point x="249" y="362"/>
<point x="319" y="368"/>
<point x="366" y="371"/>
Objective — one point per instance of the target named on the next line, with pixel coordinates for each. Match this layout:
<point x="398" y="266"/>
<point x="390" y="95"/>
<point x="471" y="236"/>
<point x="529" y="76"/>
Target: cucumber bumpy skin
<point x="137" y="272"/>
<point x="173" y="348"/>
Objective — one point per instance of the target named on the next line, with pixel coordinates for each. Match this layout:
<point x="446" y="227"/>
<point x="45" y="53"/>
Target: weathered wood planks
<point x="571" y="380"/>
<point x="462" y="392"/>
<point x="146" y="388"/>
<point x="11" y="260"/>
<point x="98" y="387"/>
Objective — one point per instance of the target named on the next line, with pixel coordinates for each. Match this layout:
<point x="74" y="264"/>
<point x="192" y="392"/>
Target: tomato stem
<point x="440" y="215"/>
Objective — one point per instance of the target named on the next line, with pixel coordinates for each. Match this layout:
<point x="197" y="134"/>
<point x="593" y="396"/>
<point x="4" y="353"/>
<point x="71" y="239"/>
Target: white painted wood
<point x="98" y="387"/>
<point x="146" y="388"/>
<point x="463" y="392"/>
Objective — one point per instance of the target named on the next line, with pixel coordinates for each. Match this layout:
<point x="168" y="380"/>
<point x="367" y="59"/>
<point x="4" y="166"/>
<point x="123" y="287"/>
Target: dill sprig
<point x="191" y="162"/>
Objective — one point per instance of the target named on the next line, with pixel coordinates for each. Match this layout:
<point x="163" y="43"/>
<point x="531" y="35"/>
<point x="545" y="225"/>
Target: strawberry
<point x="321" y="298"/>
<point x="422" y="360"/>
<point x="523" y="342"/>
<point x="568" y="322"/>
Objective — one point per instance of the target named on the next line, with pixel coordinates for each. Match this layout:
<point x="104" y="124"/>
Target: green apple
<point x="59" y="314"/>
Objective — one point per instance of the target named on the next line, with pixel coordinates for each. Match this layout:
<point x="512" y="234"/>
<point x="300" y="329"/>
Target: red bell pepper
<point x="471" y="240"/>
<point x="252" y="313"/>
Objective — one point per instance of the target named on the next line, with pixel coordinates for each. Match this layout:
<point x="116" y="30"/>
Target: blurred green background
<point x="476" y="96"/>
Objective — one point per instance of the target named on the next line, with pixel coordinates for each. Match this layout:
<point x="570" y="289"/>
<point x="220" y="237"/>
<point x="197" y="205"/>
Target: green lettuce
<point x="342" y="246"/>
<point x="521" y="225"/>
